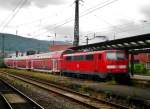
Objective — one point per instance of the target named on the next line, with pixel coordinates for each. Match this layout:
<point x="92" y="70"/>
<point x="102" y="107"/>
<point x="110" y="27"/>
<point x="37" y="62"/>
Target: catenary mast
<point x="76" y="24"/>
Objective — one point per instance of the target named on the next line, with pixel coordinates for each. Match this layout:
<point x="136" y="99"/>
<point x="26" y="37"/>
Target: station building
<point x="143" y="58"/>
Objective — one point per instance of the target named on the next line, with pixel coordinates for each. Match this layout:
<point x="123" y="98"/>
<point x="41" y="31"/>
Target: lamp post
<point x="104" y="37"/>
<point x="53" y="39"/>
<point x="87" y="39"/>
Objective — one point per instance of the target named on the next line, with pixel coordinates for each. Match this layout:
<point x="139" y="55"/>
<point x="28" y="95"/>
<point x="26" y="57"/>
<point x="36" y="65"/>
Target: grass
<point x="140" y="69"/>
<point x="74" y="84"/>
<point x="40" y="75"/>
<point x="64" y="81"/>
<point x="59" y="80"/>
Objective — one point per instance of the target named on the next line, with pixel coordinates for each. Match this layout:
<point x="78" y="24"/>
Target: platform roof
<point x="134" y="44"/>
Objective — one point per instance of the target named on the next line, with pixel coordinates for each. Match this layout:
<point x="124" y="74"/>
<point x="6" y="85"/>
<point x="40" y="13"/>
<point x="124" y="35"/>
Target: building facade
<point x="143" y="58"/>
<point x="59" y="47"/>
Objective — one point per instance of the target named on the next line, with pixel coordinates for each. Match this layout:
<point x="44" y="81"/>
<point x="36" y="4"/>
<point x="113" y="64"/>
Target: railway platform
<point x="121" y="90"/>
<point x="141" y="77"/>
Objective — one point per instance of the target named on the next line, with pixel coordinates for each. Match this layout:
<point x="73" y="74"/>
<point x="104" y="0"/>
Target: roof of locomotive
<point x="89" y="52"/>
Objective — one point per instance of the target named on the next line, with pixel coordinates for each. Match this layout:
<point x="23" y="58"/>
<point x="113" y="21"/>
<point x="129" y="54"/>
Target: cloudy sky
<point x="42" y="18"/>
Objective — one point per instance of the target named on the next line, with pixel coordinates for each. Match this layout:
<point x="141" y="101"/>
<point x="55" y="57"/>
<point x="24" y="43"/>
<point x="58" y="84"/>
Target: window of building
<point x="148" y="65"/>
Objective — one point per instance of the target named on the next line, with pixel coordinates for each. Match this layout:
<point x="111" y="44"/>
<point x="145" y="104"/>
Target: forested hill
<point x="18" y="43"/>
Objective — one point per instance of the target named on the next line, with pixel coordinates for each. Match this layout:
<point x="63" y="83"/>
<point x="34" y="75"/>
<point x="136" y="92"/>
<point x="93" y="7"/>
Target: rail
<point x="85" y="100"/>
<point x="12" y="98"/>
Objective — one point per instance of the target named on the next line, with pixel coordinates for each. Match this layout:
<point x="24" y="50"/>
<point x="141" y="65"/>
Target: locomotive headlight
<point x="122" y="66"/>
<point x="111" y="66"/>
<point x="116" y="66"/>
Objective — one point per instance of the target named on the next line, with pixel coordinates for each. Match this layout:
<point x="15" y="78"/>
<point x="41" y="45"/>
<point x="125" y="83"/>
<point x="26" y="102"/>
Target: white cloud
<point x="122" y="17"/>
<point x="10" y="4"/>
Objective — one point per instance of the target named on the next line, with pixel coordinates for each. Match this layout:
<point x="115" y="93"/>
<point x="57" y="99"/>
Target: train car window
<point x="89" y="57"/>
<point x="68" y="58"/>
<point x="78" y="58"/>
<point x="100" y="56"/>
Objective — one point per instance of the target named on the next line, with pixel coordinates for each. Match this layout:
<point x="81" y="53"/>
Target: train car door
<point x="14" y="64"/>
<point x="29" y="64"/>
<point x="54" y="65"/>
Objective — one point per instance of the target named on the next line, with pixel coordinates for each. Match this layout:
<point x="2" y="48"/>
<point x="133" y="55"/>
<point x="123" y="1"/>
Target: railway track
<point x="85" y="100"/>
<point x="11" y="98"/>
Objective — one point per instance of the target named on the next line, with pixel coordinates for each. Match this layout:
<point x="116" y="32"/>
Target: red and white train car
<point x="101" y="64"/>
<point x="9" y="62"/>
<point x="48" y="62"/>
<point x="20" y="62"/>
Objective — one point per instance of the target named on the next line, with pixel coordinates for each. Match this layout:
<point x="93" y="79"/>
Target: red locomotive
<point x="102" y="64"/>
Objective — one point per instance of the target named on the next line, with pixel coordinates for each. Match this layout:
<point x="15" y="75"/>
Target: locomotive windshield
<point x="115" y="55"/>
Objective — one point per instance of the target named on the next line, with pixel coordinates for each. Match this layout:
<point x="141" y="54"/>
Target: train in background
<point x="98" y="64"/>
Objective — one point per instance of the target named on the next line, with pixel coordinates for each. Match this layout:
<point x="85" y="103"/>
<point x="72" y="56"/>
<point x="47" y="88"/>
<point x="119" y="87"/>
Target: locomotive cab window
<point x="115" y="55"/>
<point x="89" y="57"/>
<point x="68" y="58"/>
<point x="121" y="56"/>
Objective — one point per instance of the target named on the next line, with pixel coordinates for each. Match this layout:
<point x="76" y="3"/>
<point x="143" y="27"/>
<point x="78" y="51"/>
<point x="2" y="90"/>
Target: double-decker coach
<point x="47" y="62"/>
<point x="9" y="62"/>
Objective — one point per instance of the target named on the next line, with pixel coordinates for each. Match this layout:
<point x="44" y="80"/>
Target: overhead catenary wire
<point x="127" y="31"/>
<point x="14" y="14"/>
<point x="69" y="20"/>
<point x="99" y="8"/>
<point x="84" y="14"/>
<point x="10" y="14"/>
<point x="43" y="18"/>
<point x="66" y="20"/>
<point x="46" y="23"/>
<point x="111" y="30"/>
<point x="72" y="19"/>
<point x="55" y="26"/>
<point x="114" y="26"/>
